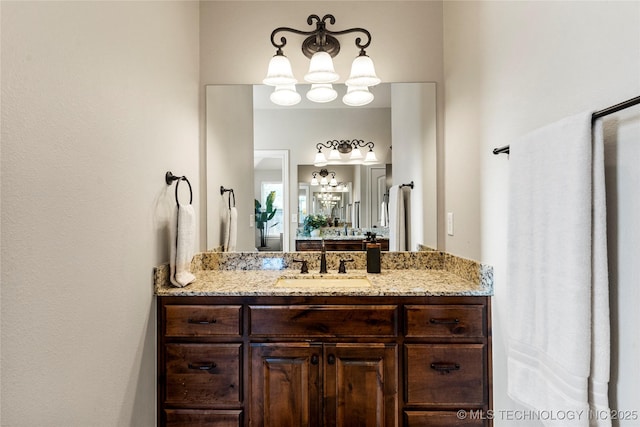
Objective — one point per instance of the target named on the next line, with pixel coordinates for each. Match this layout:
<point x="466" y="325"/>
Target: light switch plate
<point x="450" y="223"/>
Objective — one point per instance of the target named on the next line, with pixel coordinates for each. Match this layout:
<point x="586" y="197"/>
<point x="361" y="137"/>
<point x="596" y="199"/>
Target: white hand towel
<point x="383" y="214"/>
<point x="399" y="218"/>
<point x="225" y="217"/>
<point x="233" y="230"/>
<point x="182" y="235"/>
<point x="557" y="281"/>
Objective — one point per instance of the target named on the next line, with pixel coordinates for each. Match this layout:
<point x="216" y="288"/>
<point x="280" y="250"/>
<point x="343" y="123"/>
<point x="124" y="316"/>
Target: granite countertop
<point x="403" y="274"/>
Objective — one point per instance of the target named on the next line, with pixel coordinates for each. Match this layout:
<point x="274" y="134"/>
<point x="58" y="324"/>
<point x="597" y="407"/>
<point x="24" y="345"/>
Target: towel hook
<point x="170" y="177"/>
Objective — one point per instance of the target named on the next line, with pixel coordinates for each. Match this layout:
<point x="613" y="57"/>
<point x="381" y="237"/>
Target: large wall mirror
<point x="244" y="128"/>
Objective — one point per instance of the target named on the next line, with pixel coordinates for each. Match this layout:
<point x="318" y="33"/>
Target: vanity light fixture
<point x="345" y="151"/>
<point x="321" y="45"/>
<point x="324" y="173"/>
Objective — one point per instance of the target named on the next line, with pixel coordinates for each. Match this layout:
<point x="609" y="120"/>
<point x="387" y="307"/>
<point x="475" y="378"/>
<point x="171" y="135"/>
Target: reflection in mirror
<point x="402" y="115"/>
<point x="271" y="193"/>
<point x="332" y="201"/>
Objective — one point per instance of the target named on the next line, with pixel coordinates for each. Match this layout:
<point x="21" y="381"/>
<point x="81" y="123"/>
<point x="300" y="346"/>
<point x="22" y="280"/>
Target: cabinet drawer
<point x="200" y="418"/>
<point x="203" y="374"/>
<point x="446" y="374"/>
<point x="202" y="320"/>
<point x="324" y="320"/>
<point x="440" y="419"/>
<point x="445" y="321"/>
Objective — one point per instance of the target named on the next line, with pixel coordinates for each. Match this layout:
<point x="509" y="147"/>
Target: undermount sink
<point x="315" y="281"/>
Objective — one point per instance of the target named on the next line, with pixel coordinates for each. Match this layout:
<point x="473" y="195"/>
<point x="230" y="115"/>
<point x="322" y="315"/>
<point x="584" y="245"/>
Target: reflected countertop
<point x="360" y="237"/>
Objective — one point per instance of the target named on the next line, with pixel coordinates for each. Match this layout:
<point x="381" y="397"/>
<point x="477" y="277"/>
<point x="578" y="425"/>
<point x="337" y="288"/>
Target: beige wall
<point x="99" y="100"/>
<point x="511" y="67"/>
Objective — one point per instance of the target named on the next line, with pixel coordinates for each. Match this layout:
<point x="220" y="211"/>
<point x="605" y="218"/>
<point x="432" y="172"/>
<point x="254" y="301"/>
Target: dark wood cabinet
<point x="337" y="245"/>
<point x="323" y="361"/>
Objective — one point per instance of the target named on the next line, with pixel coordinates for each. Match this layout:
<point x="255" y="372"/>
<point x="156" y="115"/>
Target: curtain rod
<point x="595" y="116"/>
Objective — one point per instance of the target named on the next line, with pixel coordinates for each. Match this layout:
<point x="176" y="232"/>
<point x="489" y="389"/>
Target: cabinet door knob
<point x="331" y="359"/>
<point x="314" y="359"/>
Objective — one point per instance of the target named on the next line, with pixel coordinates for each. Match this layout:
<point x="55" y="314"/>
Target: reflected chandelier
<point x="321" y="45"/>
<point x="345" y="151"/>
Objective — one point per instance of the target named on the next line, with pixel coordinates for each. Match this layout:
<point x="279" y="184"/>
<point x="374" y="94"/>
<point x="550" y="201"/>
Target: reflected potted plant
<point x="264" y="215"/>
<point x="312" y="224"/>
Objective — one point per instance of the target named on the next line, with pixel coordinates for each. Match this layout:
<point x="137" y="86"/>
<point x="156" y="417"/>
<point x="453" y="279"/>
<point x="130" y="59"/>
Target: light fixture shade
<point x="333" y="182"/>
<point x="279" y="72"/>
<point x="357" y="96"/>
<point x="363" y="73"/>
<point x="370" y="157"/>
<point x="334" y="155"/>
<point x="314" y="181"/>
<point x="323" y="181"/>
<point x="320" y="160"/>
<point x="285" y="95"/>
<point x="321" y="69"/>
<point x="356" y="154"/>
<point x="322" y="92"/>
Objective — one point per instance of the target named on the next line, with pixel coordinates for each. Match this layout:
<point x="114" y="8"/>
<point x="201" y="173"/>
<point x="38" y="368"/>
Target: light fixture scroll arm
<point x="359" y="44"/>
<point x="283" y="40"/>
<point x="319" y="31"/>
<point x="359" y="143"/>
<point x="328" y="144"/>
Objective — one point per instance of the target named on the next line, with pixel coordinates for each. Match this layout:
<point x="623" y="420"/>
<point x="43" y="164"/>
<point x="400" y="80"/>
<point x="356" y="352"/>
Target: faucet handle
<point x="343" y="268"/>
<point x="304" y="269"/>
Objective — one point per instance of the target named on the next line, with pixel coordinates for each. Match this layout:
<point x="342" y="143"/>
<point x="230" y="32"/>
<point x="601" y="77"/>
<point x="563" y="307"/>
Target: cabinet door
<point x="361" y="385"/>
<point x="285" y="385"/>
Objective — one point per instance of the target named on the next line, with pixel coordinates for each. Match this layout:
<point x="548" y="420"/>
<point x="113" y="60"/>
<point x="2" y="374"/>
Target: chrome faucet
<point x="323" y="259"/>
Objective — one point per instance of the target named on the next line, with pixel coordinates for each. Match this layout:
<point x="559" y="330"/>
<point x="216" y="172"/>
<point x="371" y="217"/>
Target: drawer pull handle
<point x="203" y="322"/>
<point x="444" y="321"/>
<point x="445" y="368"/>
<point x="203" y="367"/>
<point x="331" y="359"/>
<point x="314" y="359"/>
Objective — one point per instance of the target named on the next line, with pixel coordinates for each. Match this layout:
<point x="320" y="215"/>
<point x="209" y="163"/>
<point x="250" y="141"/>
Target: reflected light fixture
<point x="345" y="151"/>
<point x="320" y="46"/>
<point x="285" y="95"/>
<point x="324" y="173"/>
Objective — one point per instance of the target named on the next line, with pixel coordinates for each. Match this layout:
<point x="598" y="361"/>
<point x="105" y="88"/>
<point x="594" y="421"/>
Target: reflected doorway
<point x="271" y="199"/>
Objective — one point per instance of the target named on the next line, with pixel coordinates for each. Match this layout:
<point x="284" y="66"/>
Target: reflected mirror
<point x="241" y="122"/>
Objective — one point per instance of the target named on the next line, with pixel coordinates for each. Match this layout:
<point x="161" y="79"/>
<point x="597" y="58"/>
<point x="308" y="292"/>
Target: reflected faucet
<point x="323" y="259"/>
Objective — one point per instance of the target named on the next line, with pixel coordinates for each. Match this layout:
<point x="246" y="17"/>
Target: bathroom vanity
<point x="408" y="347"/>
